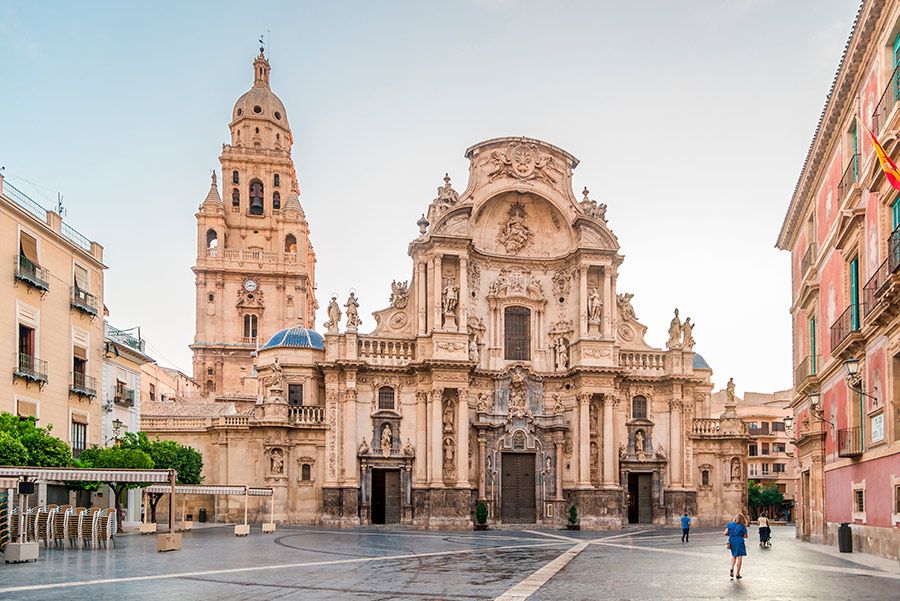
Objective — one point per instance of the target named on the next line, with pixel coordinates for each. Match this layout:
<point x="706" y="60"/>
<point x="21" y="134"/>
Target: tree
<point x="763" y="496"/>
<point x="41" y="448"/>
<point x="167" y="454"/>
<point x="116" y="457"/>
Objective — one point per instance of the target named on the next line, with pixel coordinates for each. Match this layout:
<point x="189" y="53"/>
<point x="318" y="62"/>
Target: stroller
<point x="765" y="537"/>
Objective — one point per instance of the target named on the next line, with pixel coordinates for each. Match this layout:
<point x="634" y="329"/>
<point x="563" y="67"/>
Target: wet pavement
<point x="372" y="564"/>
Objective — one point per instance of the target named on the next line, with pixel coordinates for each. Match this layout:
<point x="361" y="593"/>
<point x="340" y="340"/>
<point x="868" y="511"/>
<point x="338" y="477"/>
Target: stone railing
<point x="385" y="351"/>
<point x="306" y="415"/>
<point x="642" y="360"/>
<point x="175" y="423"/>
<point x="706" y="426"/>
<point x="253" y="256"/>
<point x="234" y="420"/>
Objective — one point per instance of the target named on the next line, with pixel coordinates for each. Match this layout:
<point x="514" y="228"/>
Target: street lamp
<point x="854" y="379"/>
<point x="789" y="422"/>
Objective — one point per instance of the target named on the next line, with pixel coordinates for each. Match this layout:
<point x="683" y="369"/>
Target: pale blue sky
<point x="691" y="121"/>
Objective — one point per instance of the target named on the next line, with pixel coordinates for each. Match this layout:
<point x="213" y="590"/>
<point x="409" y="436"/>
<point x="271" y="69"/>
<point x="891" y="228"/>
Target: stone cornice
<point x="838" y="101"/>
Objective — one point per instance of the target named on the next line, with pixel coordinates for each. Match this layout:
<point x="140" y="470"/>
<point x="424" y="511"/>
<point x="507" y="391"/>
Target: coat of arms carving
<point x="521" y="161"/>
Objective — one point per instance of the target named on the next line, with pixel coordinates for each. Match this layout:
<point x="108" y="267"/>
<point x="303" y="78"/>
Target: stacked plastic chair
<point x="31" y="519"/>
<point x="106" y="527"/>
<point x="73" y="526"/>
<point x="89" y="528"/>
<point x="59" y="521"/>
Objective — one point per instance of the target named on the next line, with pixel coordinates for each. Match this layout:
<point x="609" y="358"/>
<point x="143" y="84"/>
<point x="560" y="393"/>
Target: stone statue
<point x="277" y="375"/>
<point x="558" y="408"/>
<point x="447" y="196"/>
<point x="473" y="349"/>
<point x="729" y="391"/>
<point x="515" y="235"/>
<point x="688" y="332"/>
<point x="735" y="469"/>
<point x="363" y="447"/>
<point x="624" y="301"/>
<point x="334" y="316"/>
<point x="562" y="354"/>
<point x="353" y="320"/>
<point x="408" y="448"/>
<point x="622" y="450"/>
<point x="449" y="298"/>
<point x="277" y="461"/>
<point x="660" y="453"/>
<point x="639" y="444"/>
<point x="674" y="341"/>
<point x="449" y="451"/>
<point x="448" y="417"/>
<point x="399" y="294"/>
<point x="484" y="404"/>
<point x="595" y="305"/>
<point x="548" y="464"/>
<point x="386" y="440"/>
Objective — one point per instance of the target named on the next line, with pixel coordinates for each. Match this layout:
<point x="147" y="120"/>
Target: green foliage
<point x="12" y="452"/>
<point x="481" y="512"/>
<point x="763" y="496"/>
<point x="573" y="515"/>
<point x="168" y="454"/>
<point x="42" y="449"/>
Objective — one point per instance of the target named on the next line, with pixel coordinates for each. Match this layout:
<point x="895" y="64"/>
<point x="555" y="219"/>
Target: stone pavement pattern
<point x="371" y="564"/>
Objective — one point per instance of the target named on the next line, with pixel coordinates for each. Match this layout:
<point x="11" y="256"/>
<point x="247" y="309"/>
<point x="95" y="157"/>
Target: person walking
<point x="736" y="531"/>
<point x="685" y="528"/>
<point x="764" y="530"/>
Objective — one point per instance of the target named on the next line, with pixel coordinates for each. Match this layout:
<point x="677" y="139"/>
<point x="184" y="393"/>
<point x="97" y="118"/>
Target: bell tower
<point x="255" y="267"/>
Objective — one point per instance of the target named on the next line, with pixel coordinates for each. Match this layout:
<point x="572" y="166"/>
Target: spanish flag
<point x="887" y="165"/>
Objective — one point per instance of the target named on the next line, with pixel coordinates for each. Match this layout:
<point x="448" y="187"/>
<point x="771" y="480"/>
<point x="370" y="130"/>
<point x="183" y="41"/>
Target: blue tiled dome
<point x="296" y="337"/>
<point x="700" y="362"/>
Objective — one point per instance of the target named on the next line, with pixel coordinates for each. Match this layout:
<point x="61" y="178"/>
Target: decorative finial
<point x="423" y="224"/>
<point x="213" y="177"/>
<point x="586" y="192"/>
<point x="446" y="179"/>
<point x="262" y="44"/>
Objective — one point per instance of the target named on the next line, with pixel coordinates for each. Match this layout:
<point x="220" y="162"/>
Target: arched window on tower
<point x="235" y="177"/>
<point x="277" y="180"/>
<point x="257" y="205"/>
<point x="290" y="244"/>
<point x="386" y="398"/>
<point x="517" y="333"/>
<point x="236" y="198"/>
<point x="210" y="387"/>
<point x="639" y="407"/>
<point x="276" y="201"/>
<point x="249" y="329"/>
<point x="212" y="243"/>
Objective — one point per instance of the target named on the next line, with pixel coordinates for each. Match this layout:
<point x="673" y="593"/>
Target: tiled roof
<point x="186" y="409"/>
<point x="296" y="337"/>
<point x="700" y="362"/>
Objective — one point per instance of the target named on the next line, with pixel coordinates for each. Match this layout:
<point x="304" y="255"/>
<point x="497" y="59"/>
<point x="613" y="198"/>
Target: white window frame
<point x="754" y="470"/>
<point x="857" y="516"/>
<point x="21" y="318"/>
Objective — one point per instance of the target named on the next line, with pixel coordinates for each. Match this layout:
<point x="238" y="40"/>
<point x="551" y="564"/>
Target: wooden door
<point x="391" y="496"/>
<point x="517" y="488"/>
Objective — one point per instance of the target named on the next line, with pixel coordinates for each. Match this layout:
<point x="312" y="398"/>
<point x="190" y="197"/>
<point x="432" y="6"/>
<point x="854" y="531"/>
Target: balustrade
<point x="642" y="360"/>
<point x="706" y="426"/>
<point x="306" y="415"/>
<point x="382" y="351"/>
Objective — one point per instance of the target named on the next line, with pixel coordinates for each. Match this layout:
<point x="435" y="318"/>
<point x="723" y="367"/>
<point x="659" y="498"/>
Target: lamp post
<point x="854" y="379"/>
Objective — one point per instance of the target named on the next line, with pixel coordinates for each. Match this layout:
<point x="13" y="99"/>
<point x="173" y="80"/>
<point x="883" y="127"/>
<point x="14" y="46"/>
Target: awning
<point x="209" y="489"/>
<point x="88" y="475"/>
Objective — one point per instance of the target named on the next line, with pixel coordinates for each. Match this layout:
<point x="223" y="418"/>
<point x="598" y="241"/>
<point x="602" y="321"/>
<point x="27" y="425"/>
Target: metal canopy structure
<point x="216" y="490"/>
<point x="88" y="475"/>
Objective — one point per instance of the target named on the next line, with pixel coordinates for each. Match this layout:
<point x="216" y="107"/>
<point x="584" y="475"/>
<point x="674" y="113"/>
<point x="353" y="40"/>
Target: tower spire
<point x="261" y="66"/>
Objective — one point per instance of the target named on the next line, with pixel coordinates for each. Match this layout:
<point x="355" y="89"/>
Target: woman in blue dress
<point x="736" y="531"/>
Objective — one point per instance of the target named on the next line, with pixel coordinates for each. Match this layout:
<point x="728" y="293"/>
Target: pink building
<point x="842" y="231"/>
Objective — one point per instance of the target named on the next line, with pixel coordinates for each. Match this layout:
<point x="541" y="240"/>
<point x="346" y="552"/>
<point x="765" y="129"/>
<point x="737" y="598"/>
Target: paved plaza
<point x="371" y="564"/>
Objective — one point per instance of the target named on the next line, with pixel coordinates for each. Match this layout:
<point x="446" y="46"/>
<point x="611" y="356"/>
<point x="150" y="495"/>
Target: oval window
<point x="240" y="112"/>
<point x="277" y="115"/>
<point x="257" y="109"/>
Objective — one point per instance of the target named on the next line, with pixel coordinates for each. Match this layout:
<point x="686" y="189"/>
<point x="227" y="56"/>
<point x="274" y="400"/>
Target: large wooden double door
<point x="517" y="485"/>
<point x="385" y="496"/>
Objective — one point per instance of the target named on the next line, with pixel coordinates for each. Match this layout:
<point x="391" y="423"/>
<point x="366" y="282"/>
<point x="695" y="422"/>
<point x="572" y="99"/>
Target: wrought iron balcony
<point x="30" y="368"/>
<point x="894" y="250"/>
<point x="809" y="257"/>
<point x="887" y="101"/>
<point x="83" y="385"/>
<point x="84" y="301"/>
<point x="31" y="273"/>
<point x="850" y="442"/>
<point x="849" y="177"/>
<point x="846" y="324"/>
<point x="124" y="396"/>
<point x="807" y="368"/>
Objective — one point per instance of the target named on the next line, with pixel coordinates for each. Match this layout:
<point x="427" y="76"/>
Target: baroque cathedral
<point x="506" y="368"/>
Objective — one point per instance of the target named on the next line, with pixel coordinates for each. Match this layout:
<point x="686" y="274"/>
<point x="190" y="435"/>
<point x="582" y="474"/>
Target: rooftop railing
<point x="126" y="338"/>
<point x="23" y="201"/>
<point x="31" y="273"/>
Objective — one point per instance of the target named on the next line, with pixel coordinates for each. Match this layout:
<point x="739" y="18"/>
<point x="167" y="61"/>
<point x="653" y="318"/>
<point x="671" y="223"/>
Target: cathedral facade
<point x="506" y="368"/>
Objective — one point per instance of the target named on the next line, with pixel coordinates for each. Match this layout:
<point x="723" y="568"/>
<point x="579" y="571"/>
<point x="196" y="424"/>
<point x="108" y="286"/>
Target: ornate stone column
<point x="582" y="301"/>
<point x="482" y="487"/>
<point x="584" y="440"/>
<point x="462" y="306"/>
<point x="435" y="449"/>
<point x="676" y="452"/>
<point x="462" y="438"/>
<point x="421" y="459"/>
<point x="559" y="469"/>
<point x="436" y="292"/>
<point x="421" y="300"/>
<point x="349" y="470"/>
<point x="608" y="304"/>
<point x="331" y="435"/>
<point x="609" y="449"/>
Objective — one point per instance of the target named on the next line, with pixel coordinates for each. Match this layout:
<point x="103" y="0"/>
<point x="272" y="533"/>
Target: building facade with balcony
<point x="159" y="383"/>
<point x="843" y="231"/>
<point x="255" y="266"/>
<point x="51" y="350"/>
<point x="507" y="369"/>
<point x="771" y="456"/>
